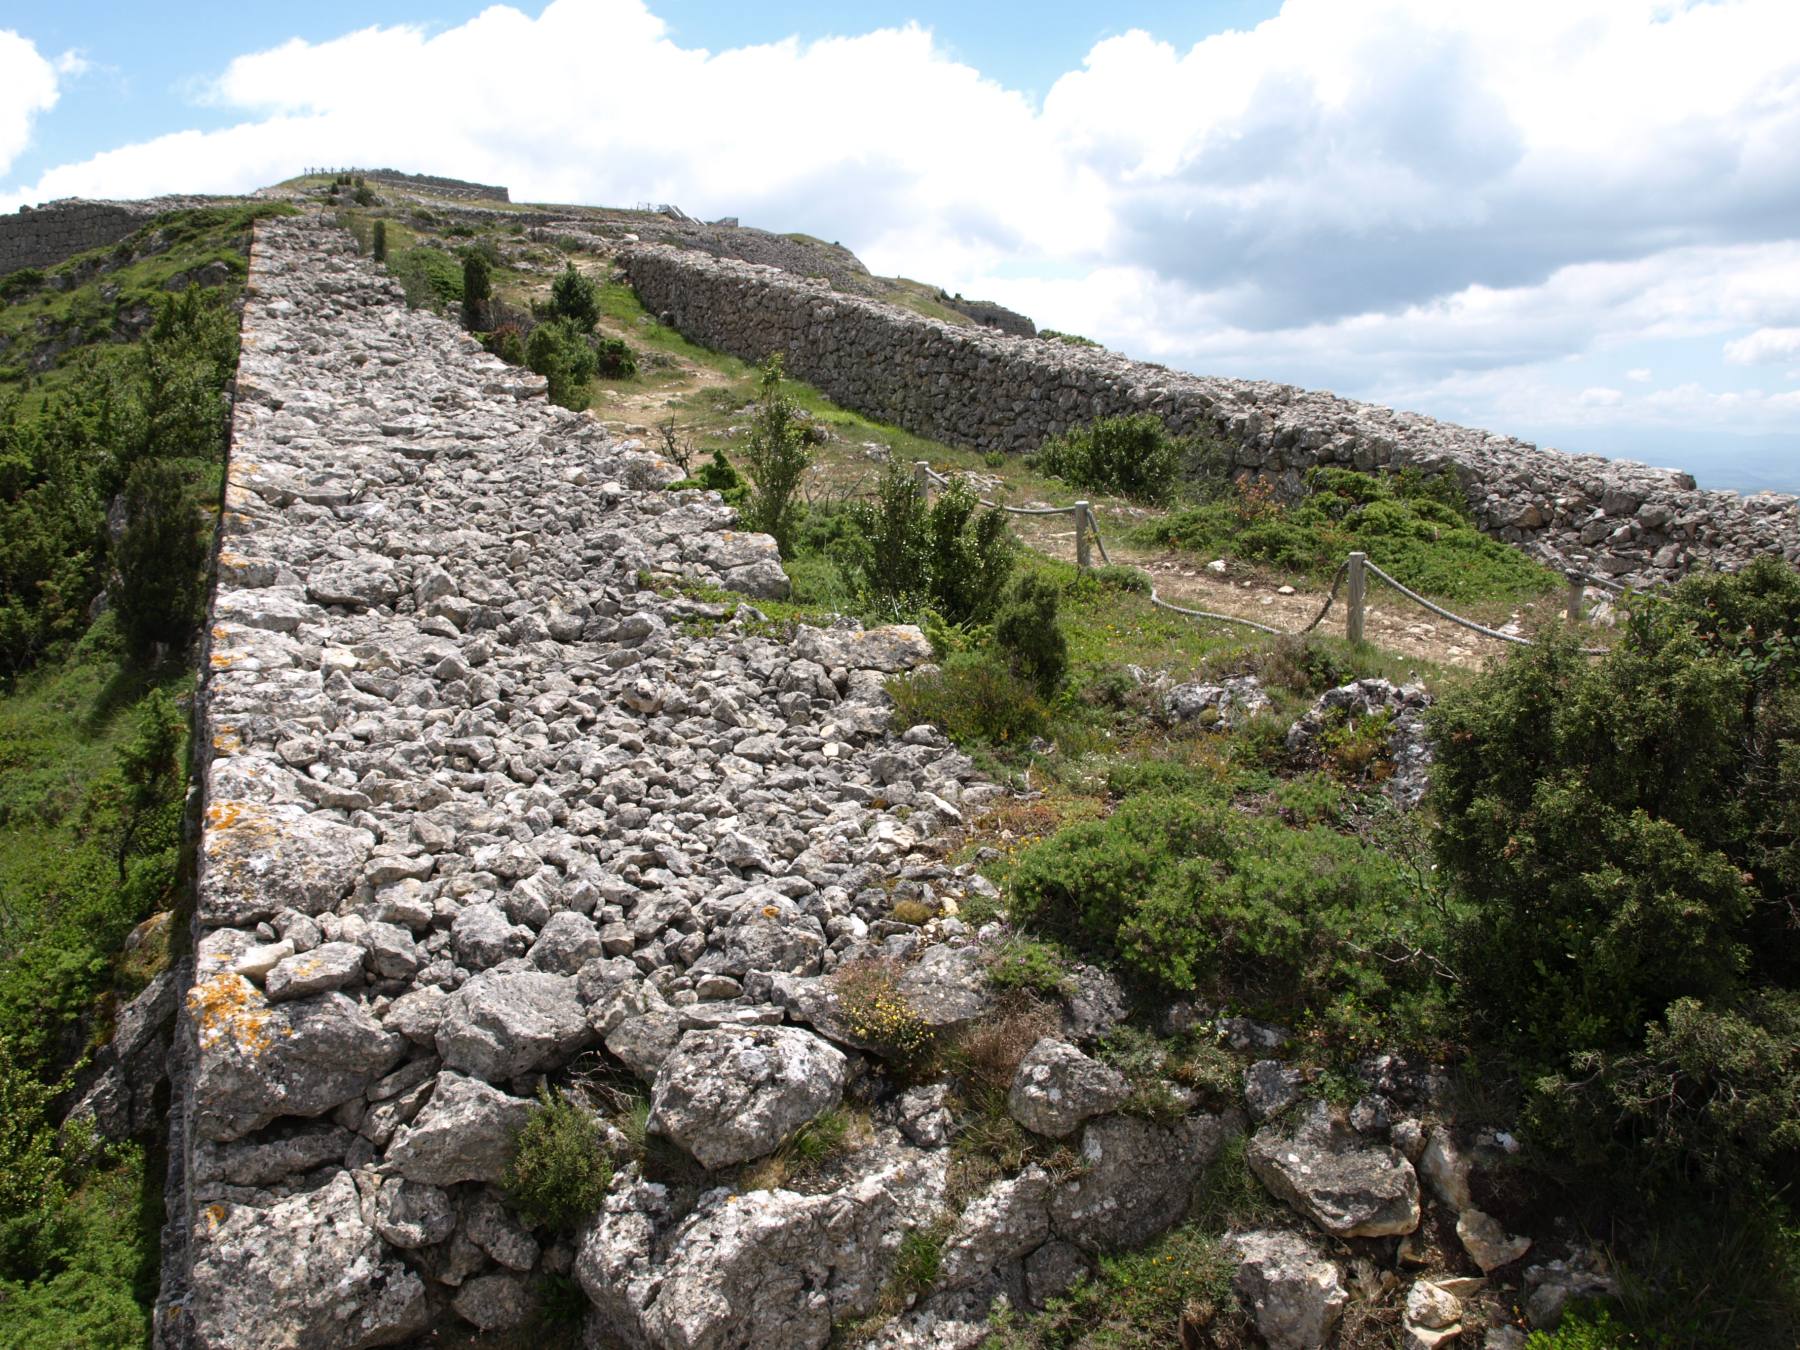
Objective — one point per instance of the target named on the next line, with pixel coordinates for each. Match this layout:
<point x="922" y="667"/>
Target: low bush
<point x="906" y="556"/>
<point x="776" y="456"/>
<point x="575" y="298"/>
<point x="613" y="359"/>
<point x="559" y="1170"/>
<point x="1131" y="455"/>
<point x="1034" y="967"/>
<point x="874" y="1009"/>
<point x="973" y="697"/>
<point x="559" y="350"/>
<point x="1027" y="635"/>
<point x="717" y="475"/>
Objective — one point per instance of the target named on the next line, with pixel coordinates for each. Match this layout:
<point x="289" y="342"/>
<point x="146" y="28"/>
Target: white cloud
<point x="1764" y="346"/>
<point x="1462" y="204"/>
<point x="27" y="88"/>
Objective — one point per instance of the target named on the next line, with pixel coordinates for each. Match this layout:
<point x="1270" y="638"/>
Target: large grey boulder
<point x="307" y="1271"/>
<point x="730" y="1095"/>
<point x="1331" y="1175"/>
<point x="504" y="1023"/>
<point x="413" y="1214"/>
<point x="1292" y="1290"/>
<point x="889" y="650"/>
<point x="466" y="1132"/>
<point x="767" y="1268"/>
<point x="1137" y="1180"/>
<point x="1006" y="1222"/>
<point x="259" y="1060"/>
<point x="330" y="965"/>
<point x="258" y="860"/>
<point x="1057" y="1087"/>
<point x="947" y="986"/>
<point x="121" y="1101"/>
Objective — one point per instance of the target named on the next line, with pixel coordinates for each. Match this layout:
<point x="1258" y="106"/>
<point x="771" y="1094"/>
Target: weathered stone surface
<point x="1329" y="1174"/>
<point x="1292" y="1290"/>
<point x="1007" y="1221"/>
<point x="1057" y="1087"/>
<point x="730" y="1096"/>
<point x="413" y="1214"/>
<point x="493" y="1302"/>
<point x="331" y="965"/>
<point x="465" y="1133"/>
<point x="1137" y="1181"/>
<point x="260" y="1060"/>
<point x="259" y="860"/>
<point x="504" y="1023"/>
<point x="307" y="1271"/>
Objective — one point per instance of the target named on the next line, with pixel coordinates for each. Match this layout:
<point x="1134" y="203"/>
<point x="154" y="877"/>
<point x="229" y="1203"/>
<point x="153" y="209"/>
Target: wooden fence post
<point x="1082" y="559"/>
<point x="1576" y="596"/>
<point x="922" y="479"/>
<point x="1358" y="585"/>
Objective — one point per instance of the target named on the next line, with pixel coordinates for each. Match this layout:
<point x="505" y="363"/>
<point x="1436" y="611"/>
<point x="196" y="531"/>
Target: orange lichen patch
<point x="226" y="741"/>
<point x="228" y="1010"/>
<point x="771" y="912"/>
<point x="215" y="1215"/>
<point x="220" y="632"/>
<point x="221" y="660"/>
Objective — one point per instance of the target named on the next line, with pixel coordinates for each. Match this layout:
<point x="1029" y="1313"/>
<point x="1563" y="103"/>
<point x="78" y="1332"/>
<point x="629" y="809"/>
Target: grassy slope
<point x="81" y="1244"/>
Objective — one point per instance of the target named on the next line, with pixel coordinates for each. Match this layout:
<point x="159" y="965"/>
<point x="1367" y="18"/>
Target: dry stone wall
<point x="475" y="803"/>
<point x="993" y="392"/>
<point x="45" y="235"/>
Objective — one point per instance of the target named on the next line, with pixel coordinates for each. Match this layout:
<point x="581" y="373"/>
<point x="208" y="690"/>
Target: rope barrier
<point x="1337" y="582"/>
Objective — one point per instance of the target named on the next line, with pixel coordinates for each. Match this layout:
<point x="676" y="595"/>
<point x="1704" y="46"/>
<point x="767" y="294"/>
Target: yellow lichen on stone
<point x="229" y="1010"/>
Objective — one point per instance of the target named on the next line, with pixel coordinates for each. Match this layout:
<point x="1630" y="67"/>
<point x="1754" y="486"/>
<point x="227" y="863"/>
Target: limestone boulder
<point x="466" y="1132"/>
<point x="504" y="1023"/>
<point x="1137" y="1180"/>
<point x="1293" y="1291"/>
<point x="1342" y="1182"/>
<point x="730" y="1095"/>
<point x="306" y="1271"/>
<point x="257" y="860"/>
<point x="259" y="1061"/>
<point x="1057" y="1088"/>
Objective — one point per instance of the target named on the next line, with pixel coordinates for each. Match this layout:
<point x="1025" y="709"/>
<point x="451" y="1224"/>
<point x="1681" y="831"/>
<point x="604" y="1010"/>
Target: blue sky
<point x="1572" y="220"/>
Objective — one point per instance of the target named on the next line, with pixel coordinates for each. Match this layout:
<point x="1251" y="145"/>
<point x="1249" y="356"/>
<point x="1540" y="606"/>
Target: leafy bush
<point x="613" y="359"/>
<point x="974" y="696"/>
<point x="160" y="559"/>
<point x="1132" y="455"/>
<point x="559" y="351"/>
<point x="718" y="476"/>
<point x="1028" y="636"/>
<point x="507" y="342"/>
<point x="575" y="298"/>
<point x="559" y="1170"/>
<point x="1036" y="967"/>
<point x="948" y="556"/>
<point x="776" y="456"/>
<point x="1414" y="527"/>
<point x="21" y="282"/>
<point x="1193" y="895"/>
<point x="430" y="277"/>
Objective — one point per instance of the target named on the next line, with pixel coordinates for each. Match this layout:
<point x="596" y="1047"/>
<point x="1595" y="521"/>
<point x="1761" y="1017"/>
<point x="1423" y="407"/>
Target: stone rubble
<point x="481" y="806"/>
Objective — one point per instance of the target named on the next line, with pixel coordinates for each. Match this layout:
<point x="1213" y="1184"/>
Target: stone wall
<point x="992" y="392"/>
<point x="442" y="187"/>
<point x="475" y="802"/>
<point x="46" y="235"/>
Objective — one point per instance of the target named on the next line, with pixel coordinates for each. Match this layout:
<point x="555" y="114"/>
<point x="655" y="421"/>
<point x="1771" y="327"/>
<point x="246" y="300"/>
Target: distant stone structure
<point x="978" y="388"/>
<point x="442" y="187"/>
<point x="991" y="315"/>
<point x="44" y="236"/>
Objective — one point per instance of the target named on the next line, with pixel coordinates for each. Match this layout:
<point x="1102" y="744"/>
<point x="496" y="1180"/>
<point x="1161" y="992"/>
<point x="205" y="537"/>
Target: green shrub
<point x="1131" y="455"/>
<point x="777" y="457"/>
<point x="1584" y="1326"/>
<point x="507" y="342"/>
<point x="20" y="283"/>
<point x="948" y="556"/>
<point x="430" y="277"/>
<point x="717" y="475"/>
<point x="1023" y="964"/>
<point x="558" y="349"/>
<point x="974" y="697"/>
<point x="477" y="289"/>
<point x="613" y="359"/>
<point x="559" y="1170"/>
<point x="575" y="298"/>
<point x="160" y="559"/>
<point x="1413" y="526"/>
<point x="1027" y="634"/>
<point x="378" y="245"/>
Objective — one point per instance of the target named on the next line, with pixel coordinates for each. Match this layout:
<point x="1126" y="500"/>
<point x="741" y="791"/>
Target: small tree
<point x="777" y="457"/>
<point x="575" y="298"/>
<point x="378" y="242"/>
<point x="1027" y="633"/>
<point x="478" y="288"/>
<point x="559" y="1170"/>
<point x="559" y="351"/>
<point x="160" y="559"/>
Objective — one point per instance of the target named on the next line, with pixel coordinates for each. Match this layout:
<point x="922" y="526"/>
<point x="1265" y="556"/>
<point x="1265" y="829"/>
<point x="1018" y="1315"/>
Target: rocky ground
<point x="482" y="806"/>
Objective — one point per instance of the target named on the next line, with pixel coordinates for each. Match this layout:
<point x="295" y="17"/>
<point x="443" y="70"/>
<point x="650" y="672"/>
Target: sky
<point x="1575" y="221"/>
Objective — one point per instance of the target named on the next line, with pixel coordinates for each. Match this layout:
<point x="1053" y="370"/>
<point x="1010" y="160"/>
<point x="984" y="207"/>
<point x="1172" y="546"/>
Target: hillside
<point x="660" y="879"/>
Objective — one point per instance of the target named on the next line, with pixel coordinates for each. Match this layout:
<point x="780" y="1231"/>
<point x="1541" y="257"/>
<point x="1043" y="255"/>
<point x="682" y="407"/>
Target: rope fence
<point x="1354" y="570"/>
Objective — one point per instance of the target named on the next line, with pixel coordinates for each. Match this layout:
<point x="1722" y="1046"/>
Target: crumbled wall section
<point x="474" y="802"/>
<point x="992" y="392"/>
<point x="46" y="235"/>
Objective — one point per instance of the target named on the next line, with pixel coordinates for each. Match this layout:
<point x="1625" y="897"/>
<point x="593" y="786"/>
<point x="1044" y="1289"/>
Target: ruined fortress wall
<point x="992" y="392"/>
<point x="445" y="187"/>
<point x="47" y="235"/>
